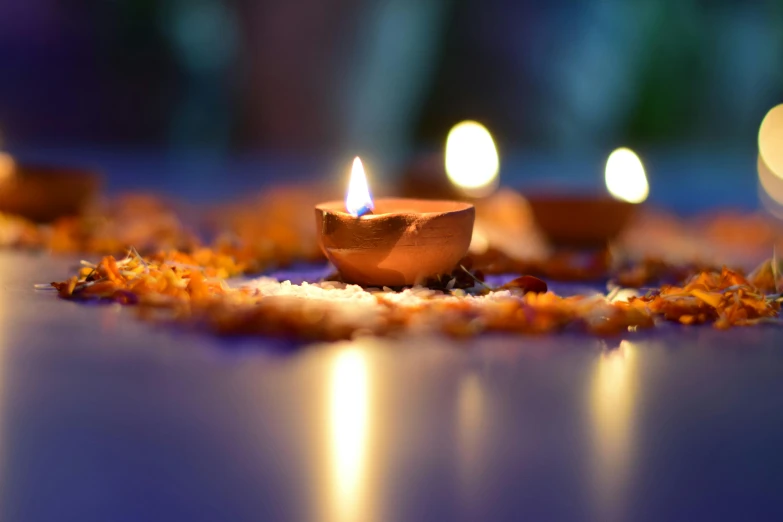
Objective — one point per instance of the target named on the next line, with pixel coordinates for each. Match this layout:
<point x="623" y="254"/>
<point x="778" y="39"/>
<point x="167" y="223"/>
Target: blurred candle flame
<point x="472" y="162"/>
<point x="7" y="166"/>
<point x="771" y="141"/>
<point x="625" y="177"/>
<point x="358" y="200"/>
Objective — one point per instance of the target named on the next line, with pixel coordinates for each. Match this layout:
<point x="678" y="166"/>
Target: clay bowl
<point x="43" y="193"/>
<point x="403" y="243"/>
<point x="580" y="221"/>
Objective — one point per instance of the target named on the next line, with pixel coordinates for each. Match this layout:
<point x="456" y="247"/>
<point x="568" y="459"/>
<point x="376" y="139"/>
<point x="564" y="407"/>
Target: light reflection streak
<point x="613" y="398"/>
<point x="349" y="421"/>
<point x="5" y="323"/>
<point x="470" y="421"/>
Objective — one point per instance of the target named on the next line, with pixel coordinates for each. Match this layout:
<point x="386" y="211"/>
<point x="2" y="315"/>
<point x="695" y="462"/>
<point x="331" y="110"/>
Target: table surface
<point x="103" y="417"/>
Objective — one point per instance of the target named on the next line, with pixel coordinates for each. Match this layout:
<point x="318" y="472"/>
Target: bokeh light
<point x="7" y="166"/>
<point x="771" y="141"/>
<point x="625" y="176"/>
<point x="472" y="162"/>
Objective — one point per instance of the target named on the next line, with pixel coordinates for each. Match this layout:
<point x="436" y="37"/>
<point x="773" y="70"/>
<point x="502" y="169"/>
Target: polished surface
<point x="104" y="417"/>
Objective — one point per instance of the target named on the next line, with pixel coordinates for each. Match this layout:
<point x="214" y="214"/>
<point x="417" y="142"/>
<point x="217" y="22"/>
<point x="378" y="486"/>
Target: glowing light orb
<point x="625" y="176"/>
<point x="472" y="162"/>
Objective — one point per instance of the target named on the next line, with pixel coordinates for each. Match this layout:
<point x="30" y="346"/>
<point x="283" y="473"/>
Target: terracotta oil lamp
<point x="579" y="220"/>
<point x="44" y="193"/>
<point x="392" y="241"/>
<point x="466" y="170"/>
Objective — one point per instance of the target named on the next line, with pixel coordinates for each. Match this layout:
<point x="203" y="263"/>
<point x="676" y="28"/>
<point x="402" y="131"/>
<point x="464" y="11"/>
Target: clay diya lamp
<point x="580" y="221"/>
<point x="466" y="170"/>
<point x="592" y="220"/>
<point x="392" y="241"/>
<point x="44" y="193"/>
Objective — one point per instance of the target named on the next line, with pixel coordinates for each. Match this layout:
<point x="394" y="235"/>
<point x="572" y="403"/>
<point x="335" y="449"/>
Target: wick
<point x="366" y="210"/>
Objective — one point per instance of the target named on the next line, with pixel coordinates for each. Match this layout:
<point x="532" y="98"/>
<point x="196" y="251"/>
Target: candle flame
<point x="472" y="162"/>
<point x="358" y="201"/>
<point x="770" y="162"/>
<point x="7" y="166"/>
<point x="625" y="177"/>
<point x="771" y="141"/>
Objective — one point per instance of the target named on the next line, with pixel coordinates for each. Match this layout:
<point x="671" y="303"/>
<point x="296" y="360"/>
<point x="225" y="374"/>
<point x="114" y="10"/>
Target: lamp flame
<point x="771" y="141"/>
<point x="7" y="166"/>
<point x="770" y="161"/>
<point x="358" y="201"/>
<point x="472" y="162"/>
<point x="625" y="177"/>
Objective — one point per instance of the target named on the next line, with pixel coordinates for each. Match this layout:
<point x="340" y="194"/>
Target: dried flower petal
<point x="526" y="283"/>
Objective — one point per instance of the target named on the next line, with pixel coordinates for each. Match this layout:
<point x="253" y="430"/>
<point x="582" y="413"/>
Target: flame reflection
<point x="770" y="162"/>
<point x="8" y="265"/>
<point x="613" y="397"/>
<point x="470" y="420"/>
<point x="472" y="162"/>
<point x="358" y="200"/>
<point x="625" y="176"/>
<point x="349" y="422"/>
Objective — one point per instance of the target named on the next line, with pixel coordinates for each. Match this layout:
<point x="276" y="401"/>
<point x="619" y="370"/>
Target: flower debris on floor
<point x="202" y="248"/>
<point x="192" y="289"/>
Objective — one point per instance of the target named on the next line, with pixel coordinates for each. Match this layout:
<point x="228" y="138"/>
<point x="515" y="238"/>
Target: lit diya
<point x="44" y="193"/>
<point x="467" y="169"/>
<point x="593" y="220"/>
<point x="770" y="162"/>
<point x="392" y="241"/>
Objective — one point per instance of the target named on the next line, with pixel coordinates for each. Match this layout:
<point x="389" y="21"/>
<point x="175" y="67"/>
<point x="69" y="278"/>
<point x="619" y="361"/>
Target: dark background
<point x="387" y="76"/>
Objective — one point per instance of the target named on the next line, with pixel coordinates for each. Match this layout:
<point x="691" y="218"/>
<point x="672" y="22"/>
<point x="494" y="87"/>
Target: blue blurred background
<point x="387" y="78"/>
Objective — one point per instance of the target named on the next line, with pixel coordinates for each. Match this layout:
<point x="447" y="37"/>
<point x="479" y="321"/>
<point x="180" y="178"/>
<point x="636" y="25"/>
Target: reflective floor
<point x="104" y="418"/>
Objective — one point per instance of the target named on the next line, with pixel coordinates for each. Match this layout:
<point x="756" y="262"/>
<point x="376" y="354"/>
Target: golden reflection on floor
<point x="349" y="433"/>
<point x="613" y="399"/>
<point x="470" y="427"/>
<point x="8" y="266"/>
